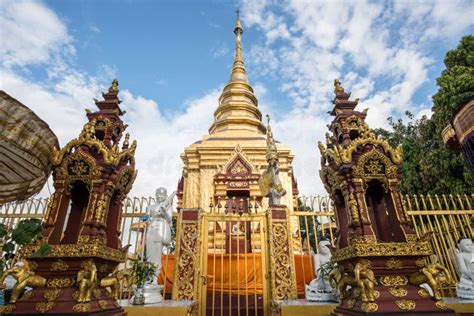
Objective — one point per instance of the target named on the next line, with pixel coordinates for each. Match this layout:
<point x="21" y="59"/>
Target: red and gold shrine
<point x="91" y="178"/>
<point x="380" y="260"/>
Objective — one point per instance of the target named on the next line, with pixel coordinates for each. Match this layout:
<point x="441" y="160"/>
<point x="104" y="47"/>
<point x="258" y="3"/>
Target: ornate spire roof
<point x="238" y="69"/>
<point x="237" y="108"/>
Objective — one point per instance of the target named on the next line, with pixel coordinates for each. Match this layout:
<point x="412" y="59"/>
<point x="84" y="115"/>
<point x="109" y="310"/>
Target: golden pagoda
<point x="228" y="161"/>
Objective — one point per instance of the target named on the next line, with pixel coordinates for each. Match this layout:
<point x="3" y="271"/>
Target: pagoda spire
<point x="238" y="73"/>
<point x="238" y="106"/>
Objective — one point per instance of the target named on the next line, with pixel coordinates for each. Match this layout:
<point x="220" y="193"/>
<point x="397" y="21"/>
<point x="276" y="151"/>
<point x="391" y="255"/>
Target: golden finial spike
<point x="238" y="26"/>
<point x="114" y="86"/>
<point x="238" y="70"/>
<point x="338" y="87"/>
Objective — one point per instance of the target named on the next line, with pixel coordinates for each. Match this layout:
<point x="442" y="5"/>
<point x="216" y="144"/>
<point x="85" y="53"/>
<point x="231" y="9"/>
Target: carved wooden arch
<point x="375" y="165"/>
<point x="78" y="166"/>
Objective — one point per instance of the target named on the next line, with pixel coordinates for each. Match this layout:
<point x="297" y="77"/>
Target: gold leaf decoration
<point x="81" y="307"/>
<point x="423" y="293"/>
<point x="441" y="305"/>
<point x="398" y="291"/>
<point x="7" y="308"/>
<point x="393" y="280"/>
<point x="60" y="282"/>
<point x="376" y="294"/>
<point x="44" y="307"/>
<point x="59" y="265"/>
<point x="406" y="305"/>
<point x="394" y="264"/>
<point x="53" y="294"/>
<point x="370" y="307"/>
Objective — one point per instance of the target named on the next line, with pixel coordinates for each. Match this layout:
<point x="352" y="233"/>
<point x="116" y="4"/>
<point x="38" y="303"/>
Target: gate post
<point x="282" y="271"/>
<point x="185" y="279"/>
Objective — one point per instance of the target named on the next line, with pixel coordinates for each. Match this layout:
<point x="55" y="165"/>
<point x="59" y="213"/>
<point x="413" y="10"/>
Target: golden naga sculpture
<point x="24" y="278"/>
<point x="434" y="274"/>
<point x="269" y="182"/>
<point x="365" y="280"/>
<point x="86" y="280"/>
<point x="115" y="279"/>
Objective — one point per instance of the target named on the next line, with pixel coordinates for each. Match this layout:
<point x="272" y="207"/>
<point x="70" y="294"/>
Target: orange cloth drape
<point x="166" y="274"/>
<point x="304" y="266"/>
<point x="238" y="274"/>
<point x="235" y="274"/>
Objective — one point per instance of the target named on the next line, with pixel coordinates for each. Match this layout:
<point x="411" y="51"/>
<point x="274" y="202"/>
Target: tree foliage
<point x="12" y="239"/>
<point x="428" y="166"/>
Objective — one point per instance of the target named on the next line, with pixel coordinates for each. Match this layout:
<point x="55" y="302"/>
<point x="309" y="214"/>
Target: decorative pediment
<point x="239" y="168"/>
<point x="374" y="165"/>
<point x="238" y="172"/>
<point x="238" y="164"/>
<point x="78" y="165"/>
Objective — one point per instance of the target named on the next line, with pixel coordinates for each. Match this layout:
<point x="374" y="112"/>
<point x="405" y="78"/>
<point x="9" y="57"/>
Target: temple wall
<point x="202" y="165"/>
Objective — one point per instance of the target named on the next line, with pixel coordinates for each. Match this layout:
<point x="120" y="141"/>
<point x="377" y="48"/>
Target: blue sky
<point x="172" y="59"/>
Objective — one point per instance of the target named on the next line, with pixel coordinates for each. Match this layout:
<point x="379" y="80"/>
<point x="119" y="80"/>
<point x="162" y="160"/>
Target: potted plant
<point x="12" y="239"/>
<point x="144" y="272"/>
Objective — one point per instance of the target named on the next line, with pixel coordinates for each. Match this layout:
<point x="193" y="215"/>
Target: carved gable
<point x="238" y="168"/>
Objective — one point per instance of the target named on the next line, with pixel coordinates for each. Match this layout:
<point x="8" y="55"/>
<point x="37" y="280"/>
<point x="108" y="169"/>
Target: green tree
<point x="456" y="83"/>
<point x="428" y="166"/>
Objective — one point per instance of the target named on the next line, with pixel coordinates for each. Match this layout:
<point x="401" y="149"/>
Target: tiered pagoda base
<point x="60" y="295"/>
<point x="393" y="292"/>
<point x="302" y="307"/>
<point x="61" y="301"/>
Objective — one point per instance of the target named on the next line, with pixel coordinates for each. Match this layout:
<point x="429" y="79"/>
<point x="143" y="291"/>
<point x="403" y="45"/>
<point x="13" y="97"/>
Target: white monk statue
<point x="319" y="290"/>
<point x="465" y="262"/>
<point x="158" y="234"/>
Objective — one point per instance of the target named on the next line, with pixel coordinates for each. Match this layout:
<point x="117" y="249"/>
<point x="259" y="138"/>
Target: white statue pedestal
<point x="152" y="293"/>
<point x="465" y="289"/>
<point x="313" y="295"/>
<point x="465" y="263"/>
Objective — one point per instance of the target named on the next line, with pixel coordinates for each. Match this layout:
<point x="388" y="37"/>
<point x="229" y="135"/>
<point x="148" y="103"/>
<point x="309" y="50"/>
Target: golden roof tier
<point x="229" y="160"/>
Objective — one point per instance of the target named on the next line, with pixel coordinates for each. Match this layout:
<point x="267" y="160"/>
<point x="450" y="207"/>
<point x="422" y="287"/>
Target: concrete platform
<point x="302" y="307"/>
<point x="299" y="307"/>
<point x="166" y="308"/>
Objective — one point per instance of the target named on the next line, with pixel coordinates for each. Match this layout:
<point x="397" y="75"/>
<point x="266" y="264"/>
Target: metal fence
<point x="448" y="216"/>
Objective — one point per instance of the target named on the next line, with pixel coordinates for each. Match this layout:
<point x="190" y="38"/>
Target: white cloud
<point x="220" y="51"/>
<point x="376" y="49"/>
<point x="30" y="33"/>
<point x="61" y="98"/>
<point x="361" y="42"/>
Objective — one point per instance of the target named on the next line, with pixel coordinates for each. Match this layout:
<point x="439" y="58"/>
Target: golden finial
<point x="126" y="141"/>
<point x="238" y="26"/>
<point x="114" y="86"/>
<point x="238" y="70"/>
<point x="338" y="87"/>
